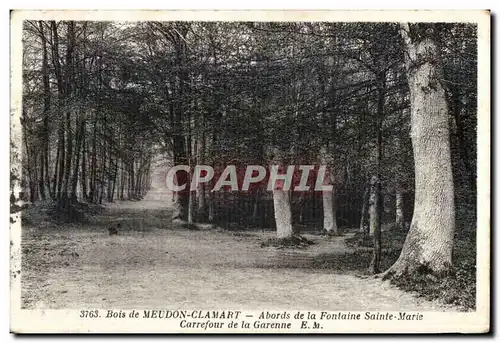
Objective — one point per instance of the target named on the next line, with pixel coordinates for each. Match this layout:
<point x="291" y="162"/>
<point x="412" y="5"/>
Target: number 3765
<point x="89" y="314"/>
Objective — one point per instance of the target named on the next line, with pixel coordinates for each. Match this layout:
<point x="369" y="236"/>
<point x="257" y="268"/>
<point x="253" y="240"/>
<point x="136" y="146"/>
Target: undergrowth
<point x="59" y="212"/>
<point x="295" y="241"/>
<point x="457" y="288"/>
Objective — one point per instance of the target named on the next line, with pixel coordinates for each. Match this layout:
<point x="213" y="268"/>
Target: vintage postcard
<point x="250" y="171"/>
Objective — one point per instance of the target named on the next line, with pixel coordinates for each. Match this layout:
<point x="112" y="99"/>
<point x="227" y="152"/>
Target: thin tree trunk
<point x="41" y="183"/>
<point x="59" y="170"/>
<point x="61" y="162"/>
<point x="83" y="178"/>
<point x="109" y="195"/>
<point x="115" y="178"/>
<point x="201" y="186"/>
<point x="93" y="164"/>
<point x="399" y="208"/>
<point x="256" y="207"/>
<point x="122" y="180"/>
<point x="211" y="207"/>
<point x="376" y="205"/>
<point x="456" y="105"/>
<point x="27" y="163"/>
<point x="74" y="181"/>
<point x="192" y="195"/>
<point x="56" y="172"/>
<point x="375" y="229"/>
<point x="69" y="79"/>
<point x="329" y="211"/>
<point x="363" y="229"/>
<point x="44" y="165"/>
<point x="132" y="180"/>
<point x="373" y="202"/>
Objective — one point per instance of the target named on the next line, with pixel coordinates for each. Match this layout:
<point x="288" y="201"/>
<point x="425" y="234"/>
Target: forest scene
<point x="109" y="107"/>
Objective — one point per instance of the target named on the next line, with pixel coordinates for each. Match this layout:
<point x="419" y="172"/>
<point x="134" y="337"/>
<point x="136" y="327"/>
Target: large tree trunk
<point x="282" y="213"/>
<point x="428" y="246"/>
<point x="330" y="215"/>
<point x="281" y="201"/>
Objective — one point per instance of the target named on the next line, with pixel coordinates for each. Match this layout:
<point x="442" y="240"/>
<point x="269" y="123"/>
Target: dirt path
<point x="158" y="265"/>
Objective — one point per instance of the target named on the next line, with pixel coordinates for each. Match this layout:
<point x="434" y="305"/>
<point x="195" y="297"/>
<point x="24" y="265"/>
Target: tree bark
<point x="429" y="243"/>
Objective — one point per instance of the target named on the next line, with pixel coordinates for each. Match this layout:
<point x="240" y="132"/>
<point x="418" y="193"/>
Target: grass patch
<point x="190" y="226"/>
<point x="357" y="261"/>
<point x="288" y="242"/>
<point x="458" y="288"/>
<point x="59" y="212"/>
<point x="392" y="239"/>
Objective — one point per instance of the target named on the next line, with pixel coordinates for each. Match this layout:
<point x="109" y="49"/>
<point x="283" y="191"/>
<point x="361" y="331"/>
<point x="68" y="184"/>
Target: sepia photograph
<point x="250" y="172"/>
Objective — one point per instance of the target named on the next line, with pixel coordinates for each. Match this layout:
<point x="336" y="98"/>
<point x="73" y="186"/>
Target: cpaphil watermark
<point x="298" y="178"/>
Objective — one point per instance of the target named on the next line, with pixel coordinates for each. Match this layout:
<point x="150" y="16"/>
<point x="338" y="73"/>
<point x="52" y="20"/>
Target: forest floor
<point x="156" y="264"/>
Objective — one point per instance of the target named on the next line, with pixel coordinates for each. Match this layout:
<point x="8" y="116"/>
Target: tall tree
<point x="428" y="246"/>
